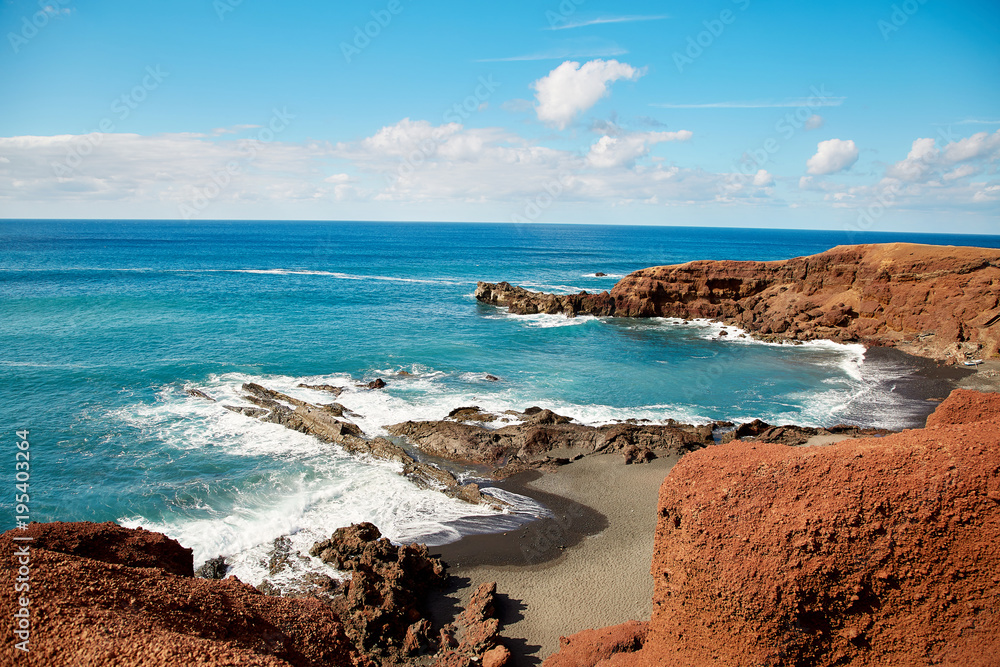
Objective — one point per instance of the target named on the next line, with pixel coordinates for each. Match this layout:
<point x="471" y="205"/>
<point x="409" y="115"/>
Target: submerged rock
<point x="321" y="421"/>
<point x="198" y="393"/>
<point x="336" y="391"/>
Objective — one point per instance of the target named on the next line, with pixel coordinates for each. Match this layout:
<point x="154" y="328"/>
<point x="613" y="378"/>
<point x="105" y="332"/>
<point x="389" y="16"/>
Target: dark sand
<point x="905" y="387"/>
<point x="588" y="567"/>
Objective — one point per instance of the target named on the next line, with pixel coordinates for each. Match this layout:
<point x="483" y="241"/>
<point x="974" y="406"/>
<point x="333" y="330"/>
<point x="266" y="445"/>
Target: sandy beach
<point x="587" y="568"/>
<point x="985" y="378"/>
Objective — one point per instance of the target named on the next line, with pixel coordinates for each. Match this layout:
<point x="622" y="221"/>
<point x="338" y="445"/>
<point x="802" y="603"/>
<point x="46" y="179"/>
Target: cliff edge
<point x="868" y="552"/>
<point x="941" y="302"/>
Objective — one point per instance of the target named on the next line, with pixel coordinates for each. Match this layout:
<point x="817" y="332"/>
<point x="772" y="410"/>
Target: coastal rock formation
<point x="517" y="447"/>
<point x="473" y="638"/>
<point x="793" y="435"/>
<point x="866" y="552"/>
<point x="591" y="647"/>
<point x="106" y="595"/>
<point x="381" y="602"/>
<point x="940" y="302"/>
<point x="322" y="422"/>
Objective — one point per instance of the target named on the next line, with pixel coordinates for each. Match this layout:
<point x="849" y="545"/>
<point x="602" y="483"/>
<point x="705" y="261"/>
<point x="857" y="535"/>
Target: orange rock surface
<point x="941" y="302"/>
<point x="90" y="609"/>
<point x="876" y="551"/>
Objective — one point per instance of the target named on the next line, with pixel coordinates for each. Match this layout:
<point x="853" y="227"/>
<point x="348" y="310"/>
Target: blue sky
<point x="862" y="115"/>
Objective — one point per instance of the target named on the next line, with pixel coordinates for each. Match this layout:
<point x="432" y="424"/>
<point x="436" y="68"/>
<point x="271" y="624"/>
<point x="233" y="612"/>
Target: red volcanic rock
<point x="111" y="543"/>
<point x="934" y="301"/>
<point x="89" y="611"/>
<point x="964" y="407"/>
<point x="867" y="552"/>
<point x="591" y="647"/>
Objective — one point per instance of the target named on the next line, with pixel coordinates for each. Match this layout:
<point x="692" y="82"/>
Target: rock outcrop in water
<point x="940" y="302"/>
<point x="867" y="552"/>
<point x="322" y="422"/>
<point x="518" y="447"/>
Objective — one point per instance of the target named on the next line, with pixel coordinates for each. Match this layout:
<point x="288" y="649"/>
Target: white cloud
<point x="623" y="151"/>
<point x="925" y="163"/>
<point x="814" y="122"/>
<point x="961" y="172"/>
<point x="163" y="170"/>
<point x="918" y="164"/>
<point x="606" y="20"/>
<point x="408" y="136"/>
<point x="763" y="178"/>
<point x="832" y="156"/>
<point x="576" y="48"/>
<point x="979" y="145"/>
<point x="571" y="89"/>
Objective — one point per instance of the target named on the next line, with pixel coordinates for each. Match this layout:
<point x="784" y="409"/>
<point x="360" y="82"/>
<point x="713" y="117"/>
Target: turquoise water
<point x="104" y="324"/>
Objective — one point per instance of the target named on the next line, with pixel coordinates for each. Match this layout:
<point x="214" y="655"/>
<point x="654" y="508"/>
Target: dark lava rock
<point x="213" y="568"/>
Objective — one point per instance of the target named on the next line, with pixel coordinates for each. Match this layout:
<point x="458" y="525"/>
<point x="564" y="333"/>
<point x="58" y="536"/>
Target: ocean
<point x="104" y="325"/>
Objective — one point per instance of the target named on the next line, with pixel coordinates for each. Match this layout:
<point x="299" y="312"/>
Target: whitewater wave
<point x="543" y="320"/>
<point x="279" y="482"/>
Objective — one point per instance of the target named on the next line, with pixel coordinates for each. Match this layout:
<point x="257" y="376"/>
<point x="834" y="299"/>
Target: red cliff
<point x="877" y="551"/>
<point x="941" y="302"/>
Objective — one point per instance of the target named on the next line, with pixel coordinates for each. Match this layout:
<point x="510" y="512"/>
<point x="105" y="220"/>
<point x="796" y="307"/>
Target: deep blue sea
<point x="103" y="325"/>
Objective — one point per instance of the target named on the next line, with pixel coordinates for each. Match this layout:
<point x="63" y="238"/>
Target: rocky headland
<point x="939" y="302"/>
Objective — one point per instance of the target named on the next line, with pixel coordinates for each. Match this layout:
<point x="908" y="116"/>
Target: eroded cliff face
<point x="873" y="551"/>
<point x="940" y="302"/>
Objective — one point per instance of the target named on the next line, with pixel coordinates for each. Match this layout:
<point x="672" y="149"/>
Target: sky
<point x="861" y="115"/>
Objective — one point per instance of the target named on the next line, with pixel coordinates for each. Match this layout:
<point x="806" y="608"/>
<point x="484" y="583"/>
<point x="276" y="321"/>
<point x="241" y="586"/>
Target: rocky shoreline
<point x="872" y="547"/>
<point x="930" y="301"/>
